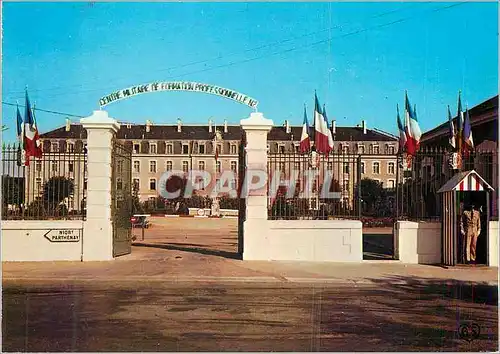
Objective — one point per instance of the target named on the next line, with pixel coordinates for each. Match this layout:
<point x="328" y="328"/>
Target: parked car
<point x="140" y="221"/>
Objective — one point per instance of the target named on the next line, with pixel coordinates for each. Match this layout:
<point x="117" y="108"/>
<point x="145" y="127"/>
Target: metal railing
<point x="410" y="195"/>
<point x="50" y="187"/>
<point x="313" y="186"/>
<point x="422" y="177"/>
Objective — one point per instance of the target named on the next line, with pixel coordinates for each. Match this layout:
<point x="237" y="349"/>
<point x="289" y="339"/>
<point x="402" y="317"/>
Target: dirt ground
<point x="220" y="237"/>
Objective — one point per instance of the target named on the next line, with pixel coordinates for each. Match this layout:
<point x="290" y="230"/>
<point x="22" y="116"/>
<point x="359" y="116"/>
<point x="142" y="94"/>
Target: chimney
<point x="287" y="127"/>
<point x="148" y="126"/>
<point x="179" y="125"/>
<point x="68" y="124"/>
<point x="334" y="126"/>
<point x="363" y="124"/>
<point x="225" y="125"/>
<point x="210" y="125"/>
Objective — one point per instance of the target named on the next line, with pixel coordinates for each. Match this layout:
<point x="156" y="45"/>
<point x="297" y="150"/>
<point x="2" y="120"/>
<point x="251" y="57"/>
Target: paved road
<point x="184" y="316"/>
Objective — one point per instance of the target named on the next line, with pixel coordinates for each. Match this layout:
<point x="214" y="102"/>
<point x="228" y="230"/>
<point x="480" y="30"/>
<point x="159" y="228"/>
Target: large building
<point x="159" y="148"/>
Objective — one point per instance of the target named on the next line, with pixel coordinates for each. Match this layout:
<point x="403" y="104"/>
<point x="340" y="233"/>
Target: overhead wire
<point x="362" y="30"/>
<point x="44" y="110"/>
<point x="273" y="44"/>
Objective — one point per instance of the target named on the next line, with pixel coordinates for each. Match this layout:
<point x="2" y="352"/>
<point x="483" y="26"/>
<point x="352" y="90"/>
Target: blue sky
<point x="359" y="57"/>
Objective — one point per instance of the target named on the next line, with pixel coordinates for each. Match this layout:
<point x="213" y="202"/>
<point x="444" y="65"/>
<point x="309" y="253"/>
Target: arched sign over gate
<point x="178" y="86"/>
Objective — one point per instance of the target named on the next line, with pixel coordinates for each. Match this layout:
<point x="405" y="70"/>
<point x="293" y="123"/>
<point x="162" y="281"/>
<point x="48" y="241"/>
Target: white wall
<point x="23" y="240"/>
<point x="493" y="244"/>
<point x="303" y="240"/>
<point x="419" y="242"/>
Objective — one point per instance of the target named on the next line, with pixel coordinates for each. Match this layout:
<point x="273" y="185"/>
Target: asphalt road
<point x="183" y="316"/>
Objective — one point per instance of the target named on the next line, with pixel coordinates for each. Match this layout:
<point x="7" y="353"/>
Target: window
<point x="376" y="168"/>
<point x="119" y="184"/>
<point x="185" y="166"/>
<point x="38" y="183"/>
<point x="361" y="149"/>
<point x="329" y="166"/>
<point x="136" y="148"/>
<point x="297" y="148"/>
<point x="282" y="166"/>
<point x="219" y="149"/>
<point x="136" y="184"/>
<point x="152" y="184"/>
<point x="345" y="149"/>
<point x="234" y="166"/>
<point x="137" y="166"/>
<point x="55" y="147"/>
<point x="71" y="147"/>
<point x="201" y="148"/>
<point x="201" y="165"/>
<point x="119" y="166"/>
<point x="315" y="186"/>
<point x="362" y="167"/>
<point x="217" y="166"/>
<point x="169" y="166"/>
<point x="38" y="166"/>
<point x="281" y="149"/>
<point x="54" y="166"/>
<point x="152" y="166"/>
<point x="85" y="183"/>
<point x="152" y="148"/>
<point x="391" y="183"/>
<point x="233" y="149"/>
<point x="297" y="166"/>
<point x="376" y="149"/>
<point x="391" y="168"/>
<point x="70" y="167"/>
<point x="170" y="149"/>
<point x="392" y="150"/>
<point x="185" y="149"/>
<point x="346" y="185"/>
<point x="345" y="168"/>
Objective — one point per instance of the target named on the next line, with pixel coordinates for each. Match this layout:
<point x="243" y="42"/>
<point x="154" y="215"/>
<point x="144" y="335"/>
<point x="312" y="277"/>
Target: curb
<point x="250" y="279"/>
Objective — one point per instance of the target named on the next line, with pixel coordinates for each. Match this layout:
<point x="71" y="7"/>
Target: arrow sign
<point x="65" y="235"/>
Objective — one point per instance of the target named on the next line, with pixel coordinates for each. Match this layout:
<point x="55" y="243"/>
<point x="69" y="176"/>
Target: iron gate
<point x="121" y="198"/>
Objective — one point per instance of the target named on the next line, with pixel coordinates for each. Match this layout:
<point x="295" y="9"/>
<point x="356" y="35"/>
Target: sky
<point x="359" y="58"/>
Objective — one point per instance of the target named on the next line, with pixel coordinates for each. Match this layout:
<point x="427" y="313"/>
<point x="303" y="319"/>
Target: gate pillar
<point x="98" y="226"/>
<point x="256" y="128"/>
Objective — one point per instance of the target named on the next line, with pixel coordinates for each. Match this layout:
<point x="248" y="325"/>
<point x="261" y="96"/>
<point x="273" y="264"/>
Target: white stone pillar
<point x="255" y="227"/>
<point x="98" y="228"/>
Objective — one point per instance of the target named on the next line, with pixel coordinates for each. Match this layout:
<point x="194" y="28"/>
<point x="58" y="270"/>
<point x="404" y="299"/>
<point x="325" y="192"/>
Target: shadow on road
<point x="397" y="314"/>
<point x="378" y="246"/>
<point x="193" y="249"/>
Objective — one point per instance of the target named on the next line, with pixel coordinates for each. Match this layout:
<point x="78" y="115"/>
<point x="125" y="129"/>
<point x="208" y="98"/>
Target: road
<point x="182" y="316"/>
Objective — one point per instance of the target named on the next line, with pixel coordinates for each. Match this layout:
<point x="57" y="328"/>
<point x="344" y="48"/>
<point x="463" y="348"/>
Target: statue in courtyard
<point x="215" y="207"/>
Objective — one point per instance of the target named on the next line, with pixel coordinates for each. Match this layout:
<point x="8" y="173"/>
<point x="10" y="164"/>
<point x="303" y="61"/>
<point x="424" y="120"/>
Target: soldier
<point x="470" y="227"/>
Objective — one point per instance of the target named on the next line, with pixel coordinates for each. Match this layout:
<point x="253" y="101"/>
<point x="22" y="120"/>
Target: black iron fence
<point x="422" y="177"/>
<point x="51" y="187"/>
<point x="375" y="188"/>
<point x="314" y="186"/>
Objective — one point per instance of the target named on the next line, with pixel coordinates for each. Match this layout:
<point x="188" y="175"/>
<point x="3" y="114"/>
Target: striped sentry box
<point x="470" y="183"/>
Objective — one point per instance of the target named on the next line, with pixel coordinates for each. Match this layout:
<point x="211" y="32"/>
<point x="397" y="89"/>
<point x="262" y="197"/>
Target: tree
<point x="56" y="189"/>
<point x="12" y="190"/>
<point x="373" y="196"/>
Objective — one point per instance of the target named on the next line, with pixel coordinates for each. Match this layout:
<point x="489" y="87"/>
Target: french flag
<point x="402" y="132"/>
<point x="323" y="139"/>
<point x="452" y="139"/>
<point x="413" y="132"/>
<point x="305" y="141"/>
<point x="468" y="142"/>
<point x="31" y="138"/>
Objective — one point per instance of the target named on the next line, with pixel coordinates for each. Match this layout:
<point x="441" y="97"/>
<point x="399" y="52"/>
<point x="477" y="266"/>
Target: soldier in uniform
<point x="470" y="227"/>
